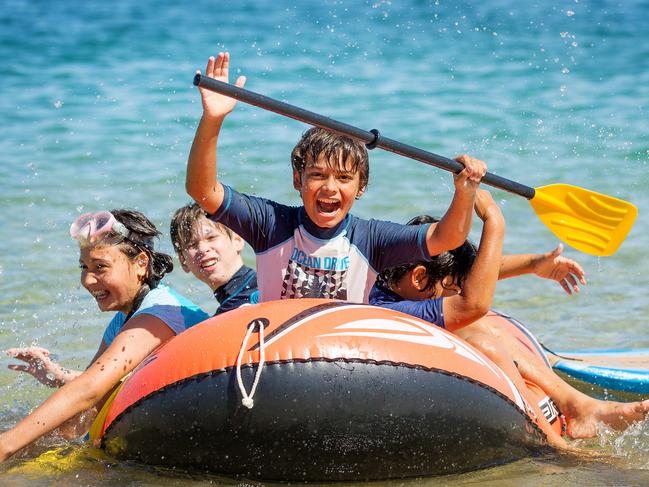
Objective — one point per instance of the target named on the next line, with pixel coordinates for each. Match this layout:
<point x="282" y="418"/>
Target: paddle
<point x="591" y="222"/>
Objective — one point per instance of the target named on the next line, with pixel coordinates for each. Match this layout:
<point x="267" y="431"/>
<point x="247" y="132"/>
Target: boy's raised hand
<point x="567" y="272"/>
<point x="469" y="178"/>
<point x="454" y="227"/>
<point x="216" y="105"/>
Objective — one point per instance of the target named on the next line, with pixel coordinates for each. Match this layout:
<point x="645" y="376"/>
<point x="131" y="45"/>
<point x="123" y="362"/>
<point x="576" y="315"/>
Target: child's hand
<point x="566" y="272"/>
<point x="485" y="206"/>
<point x="216" y="105"/>
<point x="39" y="365"/>
<point x="469" y="179"/>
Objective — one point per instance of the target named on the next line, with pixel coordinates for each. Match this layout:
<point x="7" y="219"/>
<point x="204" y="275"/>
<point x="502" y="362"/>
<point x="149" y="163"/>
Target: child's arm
<point x="201" y="182"/>
<point x="550" y="265"/>
<point x="139" y="337"/>
<point x="453" y="229"/>
<point x="476" y="296"/>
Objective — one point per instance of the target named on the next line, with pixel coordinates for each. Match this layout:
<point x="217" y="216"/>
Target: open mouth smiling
<point x="207" y="263"/>
<point x="99" y="295"/>
<point x="327" y="206"/>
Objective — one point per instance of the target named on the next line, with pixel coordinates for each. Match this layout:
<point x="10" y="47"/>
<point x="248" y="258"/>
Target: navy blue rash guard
<point x="240" y="290"/>
<point x="428" y="310"/>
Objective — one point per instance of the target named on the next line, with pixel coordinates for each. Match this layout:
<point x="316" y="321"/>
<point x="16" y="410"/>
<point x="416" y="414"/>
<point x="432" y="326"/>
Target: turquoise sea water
<point x="98" y="111"/>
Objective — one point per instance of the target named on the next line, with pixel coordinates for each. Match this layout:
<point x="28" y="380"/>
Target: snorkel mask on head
<point x="91" y="227"/>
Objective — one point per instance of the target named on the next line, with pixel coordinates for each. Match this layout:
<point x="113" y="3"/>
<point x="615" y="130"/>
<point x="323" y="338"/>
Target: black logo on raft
<point x="294" y="320"/>
<point x="308" y="282"/>
<point x="549" y="409"/>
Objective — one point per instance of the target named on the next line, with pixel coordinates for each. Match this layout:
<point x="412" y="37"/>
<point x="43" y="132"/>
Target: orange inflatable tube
<point x="317" y="390"/>
<point x="526" y="338"/>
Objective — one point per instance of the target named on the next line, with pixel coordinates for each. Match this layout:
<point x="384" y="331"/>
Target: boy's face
<point x="212" y="256"/>
<point x="328" y="190"/>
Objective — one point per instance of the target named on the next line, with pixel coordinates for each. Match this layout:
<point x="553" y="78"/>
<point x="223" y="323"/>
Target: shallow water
<point x="98" y="111"/>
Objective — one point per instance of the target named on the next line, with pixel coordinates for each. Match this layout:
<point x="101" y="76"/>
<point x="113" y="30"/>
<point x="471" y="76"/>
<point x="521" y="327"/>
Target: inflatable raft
<point x="317" y="390"/>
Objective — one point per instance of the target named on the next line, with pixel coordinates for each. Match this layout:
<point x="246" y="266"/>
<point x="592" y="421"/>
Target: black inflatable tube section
<point x="326" y="420"/>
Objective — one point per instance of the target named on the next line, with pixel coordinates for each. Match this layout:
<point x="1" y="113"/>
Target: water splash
<point x="632" y="444"/>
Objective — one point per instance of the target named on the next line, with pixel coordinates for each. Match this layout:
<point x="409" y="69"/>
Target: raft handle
<point x="258" y="326"/>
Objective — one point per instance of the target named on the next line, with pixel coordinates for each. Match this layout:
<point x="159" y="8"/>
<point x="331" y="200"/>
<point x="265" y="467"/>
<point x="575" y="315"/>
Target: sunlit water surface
<point x="98" y="111"/>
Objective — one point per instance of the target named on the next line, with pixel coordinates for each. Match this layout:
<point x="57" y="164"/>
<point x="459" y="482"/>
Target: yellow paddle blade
<point x="591" y="222"/>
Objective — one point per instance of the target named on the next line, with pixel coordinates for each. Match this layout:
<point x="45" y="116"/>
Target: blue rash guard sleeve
<point x="175" y="310"/>
<point x="387" y="244"/>
<point x="430" y="310"/>
<point x="261" y="222"/>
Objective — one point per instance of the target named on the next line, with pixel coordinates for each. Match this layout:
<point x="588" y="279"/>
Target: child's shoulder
<point x="387" y="243"/>
<point x="380" y="294"/>
<point x="164" y="301"/>
<point x="234" y="199"/>
<point x="374" y="225"/>
<point x="163" y="295"/>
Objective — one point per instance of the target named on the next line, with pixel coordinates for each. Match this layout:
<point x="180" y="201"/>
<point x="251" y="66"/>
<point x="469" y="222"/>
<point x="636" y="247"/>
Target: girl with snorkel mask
<point x="122" y="271"/>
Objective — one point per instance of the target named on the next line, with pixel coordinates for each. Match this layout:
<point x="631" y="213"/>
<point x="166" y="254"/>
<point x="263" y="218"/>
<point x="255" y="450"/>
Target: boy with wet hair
<point x="316" y="142"/>
<point x="318" y="249"/>
<point x="212" y="253"/>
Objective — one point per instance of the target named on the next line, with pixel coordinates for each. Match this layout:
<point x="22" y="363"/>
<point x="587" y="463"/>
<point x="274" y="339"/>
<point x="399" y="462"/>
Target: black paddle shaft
<point x="371" y="138"/>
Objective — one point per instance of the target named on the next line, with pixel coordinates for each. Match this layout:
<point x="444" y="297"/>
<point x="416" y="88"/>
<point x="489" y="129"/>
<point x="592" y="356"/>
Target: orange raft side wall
<point x="518" y="331"/>
<point x="306" y="329"/>
<point x="529" y="341"/>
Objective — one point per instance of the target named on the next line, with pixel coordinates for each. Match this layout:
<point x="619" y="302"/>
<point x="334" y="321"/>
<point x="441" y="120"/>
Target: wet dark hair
<point x="183" y="227"/>
<point x="455" y="263"/>
<point x="317" y="141"/>
<point x="141" y="239"/>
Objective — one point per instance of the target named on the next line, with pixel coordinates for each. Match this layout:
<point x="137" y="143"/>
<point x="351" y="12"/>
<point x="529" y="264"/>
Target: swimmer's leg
<point x="583" y="413"/>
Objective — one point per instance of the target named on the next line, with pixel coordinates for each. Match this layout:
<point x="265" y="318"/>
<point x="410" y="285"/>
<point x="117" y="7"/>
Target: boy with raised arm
<point x="318" y="249"/>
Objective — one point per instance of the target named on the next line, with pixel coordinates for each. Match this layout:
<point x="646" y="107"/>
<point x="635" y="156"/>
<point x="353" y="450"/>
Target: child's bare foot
<point x="583" y="422"/>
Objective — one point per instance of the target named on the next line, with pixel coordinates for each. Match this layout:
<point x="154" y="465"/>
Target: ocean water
<point x="98" y="111"/>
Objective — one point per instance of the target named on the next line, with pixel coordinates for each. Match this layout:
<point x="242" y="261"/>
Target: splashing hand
<point x="38" y="364"/>
<point x="567" y="272"/>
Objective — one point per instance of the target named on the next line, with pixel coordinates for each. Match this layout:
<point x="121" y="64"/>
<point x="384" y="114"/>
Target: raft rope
<point x="247" y="400"/>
